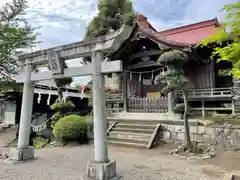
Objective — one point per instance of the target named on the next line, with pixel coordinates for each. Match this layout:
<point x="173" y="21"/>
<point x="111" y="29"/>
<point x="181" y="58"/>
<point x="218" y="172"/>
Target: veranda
<point x="159" y="104"/>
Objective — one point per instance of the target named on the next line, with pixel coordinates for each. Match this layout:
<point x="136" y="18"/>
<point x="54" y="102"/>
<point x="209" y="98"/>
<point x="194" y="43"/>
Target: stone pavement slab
<point x="69" y="163"/>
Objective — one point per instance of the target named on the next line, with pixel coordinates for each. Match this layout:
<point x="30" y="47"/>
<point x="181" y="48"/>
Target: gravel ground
<point x="69" y="163"/>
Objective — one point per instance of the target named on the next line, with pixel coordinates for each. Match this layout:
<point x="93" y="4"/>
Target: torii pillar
<point x="101" y="168"/>
<point x="23" y="151"/>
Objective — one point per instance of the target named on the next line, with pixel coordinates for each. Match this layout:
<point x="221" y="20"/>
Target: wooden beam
<point x="54" y="92"/>
<point x="147" y="53"/>
<point x="143" y="64"/>
<point x="106" y="67"/>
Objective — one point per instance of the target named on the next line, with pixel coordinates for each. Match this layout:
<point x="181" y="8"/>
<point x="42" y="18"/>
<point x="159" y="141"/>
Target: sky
<point x="65" y="21"/>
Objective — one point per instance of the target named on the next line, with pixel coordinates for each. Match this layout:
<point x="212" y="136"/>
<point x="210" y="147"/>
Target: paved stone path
<point x="69" y="163"/>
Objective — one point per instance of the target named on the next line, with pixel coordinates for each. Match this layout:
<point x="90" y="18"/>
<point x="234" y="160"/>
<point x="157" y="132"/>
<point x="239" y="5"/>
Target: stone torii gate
<point x="101" y="167"/>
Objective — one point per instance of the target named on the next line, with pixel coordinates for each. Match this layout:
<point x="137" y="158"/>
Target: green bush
<point x="62" y="81"/>
<point x="70" y="128"/>
<point x="40" y="142"/>
<point x="62" y="106"/>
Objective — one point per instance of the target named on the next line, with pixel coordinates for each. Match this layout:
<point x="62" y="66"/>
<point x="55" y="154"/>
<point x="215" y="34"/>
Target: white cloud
<point x="65" y="21"/>
<point x="195" y="11"/>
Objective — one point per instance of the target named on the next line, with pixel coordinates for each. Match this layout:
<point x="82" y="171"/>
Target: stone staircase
<point x="132" y="133"/>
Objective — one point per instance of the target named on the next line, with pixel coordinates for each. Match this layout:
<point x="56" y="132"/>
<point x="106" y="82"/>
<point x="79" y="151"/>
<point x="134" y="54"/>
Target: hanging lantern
<point x="49" y="97"/>
<point x="39" y="98"/>
<point x="140" y="77"/>
<point x="82" y="93"/>
<point x="130" y="75"/>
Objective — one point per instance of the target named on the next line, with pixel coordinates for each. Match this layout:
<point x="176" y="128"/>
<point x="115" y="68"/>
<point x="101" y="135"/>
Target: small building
<point x="11" y="101"/>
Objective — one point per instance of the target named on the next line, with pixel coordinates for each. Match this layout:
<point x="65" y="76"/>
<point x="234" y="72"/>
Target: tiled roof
<point x="193" y="33"/>
<point x="181" y="36"/>
<point x="142" y="21"/>
<point x="161" y="39"/>
<point x="148" y="30"/>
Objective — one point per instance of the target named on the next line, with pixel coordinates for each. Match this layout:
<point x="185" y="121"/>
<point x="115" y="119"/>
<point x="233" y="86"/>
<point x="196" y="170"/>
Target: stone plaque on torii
<point x="101" y="166"/>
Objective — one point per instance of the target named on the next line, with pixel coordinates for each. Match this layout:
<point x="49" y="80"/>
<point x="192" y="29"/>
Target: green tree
<point x="62" y="106"/>
<point x="15" y="34"/>
<point x="227" y="39"/>
<point x="176" y="80"/>
<point x="61" y="84"/>
<point x="112" y="14"/>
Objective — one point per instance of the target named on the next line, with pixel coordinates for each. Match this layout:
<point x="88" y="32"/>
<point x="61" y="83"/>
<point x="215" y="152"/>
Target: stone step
<point x="133" y="121"/>
<point x="127" y="144"/>
<point x="153" y="122"/>
<point x="128" y="139"/>
<point x="135" y="126"/>
<point x="133" y="130"/>
<point x="129" y="135"/>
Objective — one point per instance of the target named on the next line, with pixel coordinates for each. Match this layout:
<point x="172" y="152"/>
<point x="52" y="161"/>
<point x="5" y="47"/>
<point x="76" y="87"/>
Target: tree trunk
<point x="187" y="140"/>
<point x="60" y="94"/>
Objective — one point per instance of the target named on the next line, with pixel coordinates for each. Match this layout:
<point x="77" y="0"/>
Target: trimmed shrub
<point x="62" y="106"/>
<point x="71" y="128"/>
<point x="61" y="109"/>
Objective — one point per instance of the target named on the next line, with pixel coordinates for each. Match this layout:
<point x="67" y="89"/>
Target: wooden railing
<point x="211" y="92"/>
<point x="114" y="103"/>
<point x="148" y="104"/>
<point x="214" y="92"/>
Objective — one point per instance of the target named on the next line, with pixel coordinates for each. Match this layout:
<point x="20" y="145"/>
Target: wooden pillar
<point x="203" y="109"/>
<point x="233" y="106"/>
<point x="170" y="96"/>
<point x="119" y="81"/>
<point x="141" y="88"/>
<point x="125" y="90"/>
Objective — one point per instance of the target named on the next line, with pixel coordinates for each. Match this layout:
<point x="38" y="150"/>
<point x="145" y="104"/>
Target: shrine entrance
<point x="97" y="48"/>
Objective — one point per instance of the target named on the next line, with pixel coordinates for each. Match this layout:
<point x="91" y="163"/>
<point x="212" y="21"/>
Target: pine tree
<point x="176" y="80"/>
<point x="111" y="16"/>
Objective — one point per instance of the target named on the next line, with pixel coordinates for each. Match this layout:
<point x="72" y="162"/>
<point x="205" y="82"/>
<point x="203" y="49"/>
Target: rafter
<point x="143" y="64"/>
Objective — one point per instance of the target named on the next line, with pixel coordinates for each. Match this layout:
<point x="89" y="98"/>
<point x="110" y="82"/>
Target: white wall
<point x="10" y="112"/>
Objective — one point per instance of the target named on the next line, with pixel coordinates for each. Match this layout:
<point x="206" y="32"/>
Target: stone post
<point x="101" y="168"/>
<point x="170" y="103"/>
<point x="23" y="151"/>
<point x="100" y="127"/>
<point x="170" y="97"/>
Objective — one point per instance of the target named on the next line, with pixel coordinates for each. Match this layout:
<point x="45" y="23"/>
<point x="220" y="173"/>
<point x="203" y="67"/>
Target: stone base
<point x="101" y="171"/>
<point x="21" y="154"/>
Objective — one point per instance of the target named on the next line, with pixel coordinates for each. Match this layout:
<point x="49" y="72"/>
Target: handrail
<point x="213" y="89"/>
<point x="210" y="92"/>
